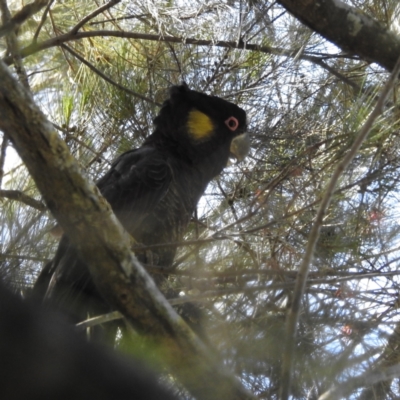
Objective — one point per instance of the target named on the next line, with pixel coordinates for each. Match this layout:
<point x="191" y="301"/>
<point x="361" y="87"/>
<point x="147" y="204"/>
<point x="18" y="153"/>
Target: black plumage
<point x="154" y="190"/>
<point x="42" y="358"/>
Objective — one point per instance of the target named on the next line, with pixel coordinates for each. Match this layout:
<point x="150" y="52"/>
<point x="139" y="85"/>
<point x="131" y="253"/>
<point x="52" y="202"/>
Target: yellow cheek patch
<point x="200" y="126"/>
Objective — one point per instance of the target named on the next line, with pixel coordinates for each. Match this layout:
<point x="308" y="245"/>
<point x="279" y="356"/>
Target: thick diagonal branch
<point x="348" y="28"/>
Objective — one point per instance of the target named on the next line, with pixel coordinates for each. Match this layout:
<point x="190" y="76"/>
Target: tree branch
<point x="71" y="36"/>
<point x="96" y="12"/>
<point x="23" y="198"/>
<point x="21" y="16"/>
<point x="12" y="44"/>
<point x="348" y="28"/>
<point x="3" y="150"/>
<point x="42" y="21"/>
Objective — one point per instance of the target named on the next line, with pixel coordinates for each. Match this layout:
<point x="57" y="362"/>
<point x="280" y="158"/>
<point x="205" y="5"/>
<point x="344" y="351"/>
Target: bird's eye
<point x="232" y="123"/>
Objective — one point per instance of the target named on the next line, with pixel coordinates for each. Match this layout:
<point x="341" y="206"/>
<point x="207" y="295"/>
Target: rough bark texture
<point x="92" y="227"/>
<point x="348" y="28"/>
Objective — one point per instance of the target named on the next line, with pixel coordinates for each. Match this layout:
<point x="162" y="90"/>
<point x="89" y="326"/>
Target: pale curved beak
<point x="240" y="146"/>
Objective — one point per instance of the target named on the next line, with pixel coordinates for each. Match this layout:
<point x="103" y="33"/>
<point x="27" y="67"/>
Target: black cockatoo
<point x="153" y="191"/>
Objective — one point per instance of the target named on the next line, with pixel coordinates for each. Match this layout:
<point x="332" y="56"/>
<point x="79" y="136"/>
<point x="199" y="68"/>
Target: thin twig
<point x="212" y="294"/>
<point x="95" y="13"/>
<point x="21" y="16"/>
<point x="69" y="136"/>
<point x="23" y="198"/>
<point x="293" y="315"/>
<point x="128" y="17"/>
<point x="4" y="256"/>
<point x="42" y="21"/>
<point x="321" y="63"/>
<point x="106" y="78"/>
<point x="100" y="319"/>
<point x="70" y="36"/>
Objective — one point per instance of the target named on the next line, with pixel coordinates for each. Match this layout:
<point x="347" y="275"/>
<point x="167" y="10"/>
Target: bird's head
<point x="199" y="123"/>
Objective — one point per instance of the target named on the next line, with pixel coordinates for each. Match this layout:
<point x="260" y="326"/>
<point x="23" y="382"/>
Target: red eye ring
<point x="232" y="123"/>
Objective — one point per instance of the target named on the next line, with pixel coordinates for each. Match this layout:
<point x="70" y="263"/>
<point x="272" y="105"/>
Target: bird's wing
<point x="134" y="185"/>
